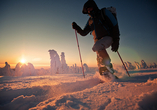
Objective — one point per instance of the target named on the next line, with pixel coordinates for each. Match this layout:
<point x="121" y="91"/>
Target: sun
<point x="23" y="61"/>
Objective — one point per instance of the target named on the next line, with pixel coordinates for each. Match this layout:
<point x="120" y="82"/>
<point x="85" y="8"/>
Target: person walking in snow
<point x="104" y="27"/>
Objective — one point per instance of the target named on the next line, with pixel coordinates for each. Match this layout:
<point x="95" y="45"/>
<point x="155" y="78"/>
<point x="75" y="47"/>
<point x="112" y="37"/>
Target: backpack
<point x="109" y="21"/>
<point x="113" y="11"/>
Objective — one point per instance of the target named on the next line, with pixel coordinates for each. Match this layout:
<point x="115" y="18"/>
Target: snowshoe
<point x="106" y="75"/>
<point x="105" y="71"/>
<point x="102" y="69"/>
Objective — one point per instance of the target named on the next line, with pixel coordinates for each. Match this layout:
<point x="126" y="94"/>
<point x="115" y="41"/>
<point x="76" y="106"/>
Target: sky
<point x="29" y="28"/>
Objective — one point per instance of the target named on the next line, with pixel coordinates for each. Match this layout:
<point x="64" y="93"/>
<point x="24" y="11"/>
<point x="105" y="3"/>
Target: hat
<point x="88" y="4"/>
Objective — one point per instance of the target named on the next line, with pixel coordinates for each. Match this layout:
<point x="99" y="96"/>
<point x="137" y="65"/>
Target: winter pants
<point x="100" y="47"/>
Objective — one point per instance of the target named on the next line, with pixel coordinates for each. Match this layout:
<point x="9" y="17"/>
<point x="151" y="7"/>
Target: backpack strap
<point x="106" y="28"/>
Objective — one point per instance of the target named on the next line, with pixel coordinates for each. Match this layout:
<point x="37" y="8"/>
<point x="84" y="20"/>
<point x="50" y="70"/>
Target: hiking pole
<point x="79" y="53"/>
<point x="123" y="63"/>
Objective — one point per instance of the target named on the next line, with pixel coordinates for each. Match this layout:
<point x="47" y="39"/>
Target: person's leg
<point x="104" y="61"/>
<point x="100" y="67"/>
<point x="102" y="44"/>
<point x="103" y="58"/>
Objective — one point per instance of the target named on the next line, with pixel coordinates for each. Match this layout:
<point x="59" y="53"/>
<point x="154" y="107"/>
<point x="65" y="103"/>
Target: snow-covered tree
<point x="138" y="66"/>
<point x="86" y="69"/>
<point x="55" y="62"/>
<point x="6" y="71"/>
<point x="64" y="66"/>
<point x="143" y="64"/>
<point x="129" y="65"/>
<point x="25" y="70"/>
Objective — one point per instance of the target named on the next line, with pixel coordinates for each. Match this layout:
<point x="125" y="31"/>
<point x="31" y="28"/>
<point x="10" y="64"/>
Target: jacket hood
<point x="89" y="3"/>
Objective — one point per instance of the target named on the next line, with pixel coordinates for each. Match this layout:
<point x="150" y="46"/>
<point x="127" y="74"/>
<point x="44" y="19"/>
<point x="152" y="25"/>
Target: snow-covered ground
<point x="72" y="91"/>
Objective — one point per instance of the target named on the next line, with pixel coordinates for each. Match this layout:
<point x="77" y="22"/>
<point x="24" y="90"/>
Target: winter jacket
<point x="100" y="25"/>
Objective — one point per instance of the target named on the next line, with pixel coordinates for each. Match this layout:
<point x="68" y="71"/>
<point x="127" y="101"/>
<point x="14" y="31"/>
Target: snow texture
<point x="73" y="92"/>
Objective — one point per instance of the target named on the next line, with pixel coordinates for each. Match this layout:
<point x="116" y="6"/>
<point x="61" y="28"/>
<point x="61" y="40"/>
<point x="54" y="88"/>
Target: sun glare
<point x="23" y="61"/>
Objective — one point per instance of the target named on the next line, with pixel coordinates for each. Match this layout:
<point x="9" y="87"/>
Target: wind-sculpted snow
<point x="22" y="90"/>
<point x="148" y="101"/>
<point x="73" y="92"/>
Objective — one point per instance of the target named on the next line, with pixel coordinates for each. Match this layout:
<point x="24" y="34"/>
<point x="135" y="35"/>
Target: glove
<point x="75" y="26"/>
<point x="115" y="45"/>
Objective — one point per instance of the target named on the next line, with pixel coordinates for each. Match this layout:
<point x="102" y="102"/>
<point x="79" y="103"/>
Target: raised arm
<point x="83" y="32"/>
